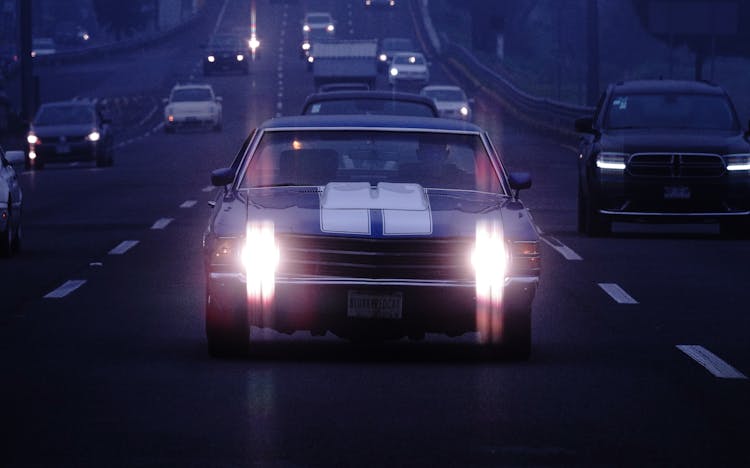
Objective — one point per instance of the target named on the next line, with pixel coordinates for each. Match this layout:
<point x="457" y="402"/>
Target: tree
<point x="707" y="28"/>
<point x="119" y="17"/>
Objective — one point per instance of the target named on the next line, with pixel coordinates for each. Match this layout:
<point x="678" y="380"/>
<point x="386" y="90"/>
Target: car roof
<point x="191" y="85"/>
<point x="370" y="121"/>
<point x="667" y="86"/>
<point x="75" y="102"/>
<point x="317" y="13"/>
<point x="408" y="53"/>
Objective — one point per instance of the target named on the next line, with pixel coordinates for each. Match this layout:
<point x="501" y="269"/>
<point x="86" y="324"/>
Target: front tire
<point x="590" y="221"/>
<point x="227" y="331"/>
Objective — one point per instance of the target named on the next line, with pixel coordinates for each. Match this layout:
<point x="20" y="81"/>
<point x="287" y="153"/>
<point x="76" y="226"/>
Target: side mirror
<point x="584" y="125"/>
<point x="219" y="99"/>
<point x="519" y="181"/>
<point x="222" y="177"/>
<point x="15" y="157"/>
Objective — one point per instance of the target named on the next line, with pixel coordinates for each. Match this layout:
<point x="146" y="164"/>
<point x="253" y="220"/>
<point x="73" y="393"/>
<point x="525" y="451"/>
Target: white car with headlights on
<point x="192" y="106"/>
<point x="370" y="227"/>
<point x="408" y="67"/>
<point x="451" y="101"/>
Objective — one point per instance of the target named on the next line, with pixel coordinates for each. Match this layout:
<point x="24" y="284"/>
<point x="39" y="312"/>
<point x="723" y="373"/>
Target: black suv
<point x="663" y="151"/>
<point x="226" y="52"/>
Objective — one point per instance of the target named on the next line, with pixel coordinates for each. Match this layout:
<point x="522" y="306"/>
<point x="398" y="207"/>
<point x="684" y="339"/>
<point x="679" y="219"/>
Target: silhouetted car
<point x="226" y="52"/>
<point x="370" y="102"/>
<point x="370" y="227"/>
<point x="663" y="151"/>
<point x="70" y="131"/>
<point x="11" y="203"/>
<point x="389" y="46"/>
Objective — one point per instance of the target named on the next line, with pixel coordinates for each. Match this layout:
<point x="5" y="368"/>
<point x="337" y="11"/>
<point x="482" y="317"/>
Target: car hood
<point x="451" y="105"/>
<point x="687" y="141"/>
<point x="59" y="130"/>
<point x="411" y="68"/>
<point x="354" y="209"/>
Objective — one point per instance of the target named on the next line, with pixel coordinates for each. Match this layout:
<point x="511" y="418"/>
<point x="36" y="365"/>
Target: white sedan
<point x="192" y="105"/>
<point x="408" y="67"/>
<point x="451" y="101"/>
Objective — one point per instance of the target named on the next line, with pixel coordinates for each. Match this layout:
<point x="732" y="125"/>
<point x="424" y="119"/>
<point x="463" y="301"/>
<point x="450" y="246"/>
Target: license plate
<point x="375" y="306"/>
<point x="63" y="148"/>
<point x="676" y="193"/>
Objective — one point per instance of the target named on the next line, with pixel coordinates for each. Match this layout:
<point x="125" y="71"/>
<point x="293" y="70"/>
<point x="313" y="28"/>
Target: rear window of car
<point x="370" y="106"/>
<point x="671" y="111"/>
<point x="316" y="157"/>
<point x="191" y="94"/>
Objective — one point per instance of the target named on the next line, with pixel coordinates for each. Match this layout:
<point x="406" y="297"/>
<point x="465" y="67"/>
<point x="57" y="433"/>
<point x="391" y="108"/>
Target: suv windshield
<point x="689" y="111"/>
<point x="315" y="157"/>
<point x="408" y="60"/>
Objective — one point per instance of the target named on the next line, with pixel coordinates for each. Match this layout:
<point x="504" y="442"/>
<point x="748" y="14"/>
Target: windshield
<point x="408" y="60"/>
<point x="370" y="106"/>
<point x="445" y="94"/>
<point x="226" y="42"/>
<point x="433" y="160"/>
<point x="688" y="111"/>
<point x="64" y="115"/>
<point x="397" y="44"/>
<point x="318" y="19"/>
<point x="191" y="95"/>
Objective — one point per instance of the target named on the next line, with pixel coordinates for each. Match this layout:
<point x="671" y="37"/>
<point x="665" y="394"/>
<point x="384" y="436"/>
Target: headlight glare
<point x="737" y="162"/>
<point x="211" y="59"/>
<point x="32" y="139"/>
<point x="611" y="161"/>
<point x="464" y="111"/>
<point x="260" y="257"/>
<point x="93" y="136"/>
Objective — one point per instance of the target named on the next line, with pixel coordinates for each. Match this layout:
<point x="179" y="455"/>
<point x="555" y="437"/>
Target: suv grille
<point x="433" y="259"/>
<point x="676" y="165"/>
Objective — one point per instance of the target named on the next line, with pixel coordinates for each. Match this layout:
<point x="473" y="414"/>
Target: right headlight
<point x="612" y="161"/>
<point x="737" y="162"/>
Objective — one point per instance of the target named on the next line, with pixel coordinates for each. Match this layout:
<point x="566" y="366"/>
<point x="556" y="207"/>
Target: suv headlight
<point x="93" y="136"/>
<point x="612" y="161"/>
<point x="737" y="162"/>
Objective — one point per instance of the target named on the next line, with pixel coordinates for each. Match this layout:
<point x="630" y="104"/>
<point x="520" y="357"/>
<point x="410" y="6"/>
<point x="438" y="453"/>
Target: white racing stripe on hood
<point x="344" y="208"/>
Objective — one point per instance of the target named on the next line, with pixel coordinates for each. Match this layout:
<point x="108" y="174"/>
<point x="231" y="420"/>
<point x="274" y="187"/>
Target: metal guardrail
<point x="113" y="47"/>
<point x="541" y="112"/>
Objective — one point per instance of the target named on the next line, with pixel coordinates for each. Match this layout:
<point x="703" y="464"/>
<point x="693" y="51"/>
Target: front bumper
<point x="68" y="151"/>
<point x="193" y="120"/>
<point x="673" y="199"/>
<point x="321" y="303"/>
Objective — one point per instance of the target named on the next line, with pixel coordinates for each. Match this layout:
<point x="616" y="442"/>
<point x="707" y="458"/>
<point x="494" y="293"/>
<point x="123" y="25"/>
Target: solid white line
<point x="713" y="363"/>
<point x="562" y="249"/>
<point x="162" y="223"/>
<point x="188" y="204"/>
<point x="123" y="247"/>
<point x="210" y="188"/>
<point x="617" y="293"/>
<point x="67" y="288"/>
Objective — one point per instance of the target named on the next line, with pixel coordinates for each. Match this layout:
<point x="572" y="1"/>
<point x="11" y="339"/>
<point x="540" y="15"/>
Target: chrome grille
<point x="676" y="165"/>
<point x="433" y="259"/>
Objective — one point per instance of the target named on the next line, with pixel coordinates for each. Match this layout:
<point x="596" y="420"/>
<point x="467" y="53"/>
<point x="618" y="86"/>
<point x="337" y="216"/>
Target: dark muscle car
<point x="370" y="226"/>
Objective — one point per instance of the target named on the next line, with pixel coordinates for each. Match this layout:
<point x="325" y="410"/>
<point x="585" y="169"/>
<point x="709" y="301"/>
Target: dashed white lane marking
<point x="617" y="293"/>
<point x="209" y="188"/>
<point x="189" y="204"/>
<point x="66" y="288"/>
<point x="148" y="116"/>
<point x="713" y="363"/>
<point x="162" y="223"/>
<point x="562" y="249"/>
<point x="123" y="247"/>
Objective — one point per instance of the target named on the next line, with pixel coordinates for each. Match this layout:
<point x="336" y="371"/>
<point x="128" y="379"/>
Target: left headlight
<point x="93" y="136"/>
<point x="490" y="260"/>
<point x="330" y="28"/>
<point x="737" y="162"/>
<point x="464" y="111"/>
<point x="260" y="257"/>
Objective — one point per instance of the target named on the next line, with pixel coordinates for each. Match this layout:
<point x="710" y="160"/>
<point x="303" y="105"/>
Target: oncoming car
<point x="451" y="101"/>
<point x="226" y="52"/>
<point x="408" y="67"/>
<point x="369" y="102"/>
<point x="370" y="227"/>
<point x="68" y="131"/>
<point x="664" y="151"/>
<point x="192" y="106"/>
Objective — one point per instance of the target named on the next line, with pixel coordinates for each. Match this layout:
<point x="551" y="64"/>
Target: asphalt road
<point x="115" y="373"/>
